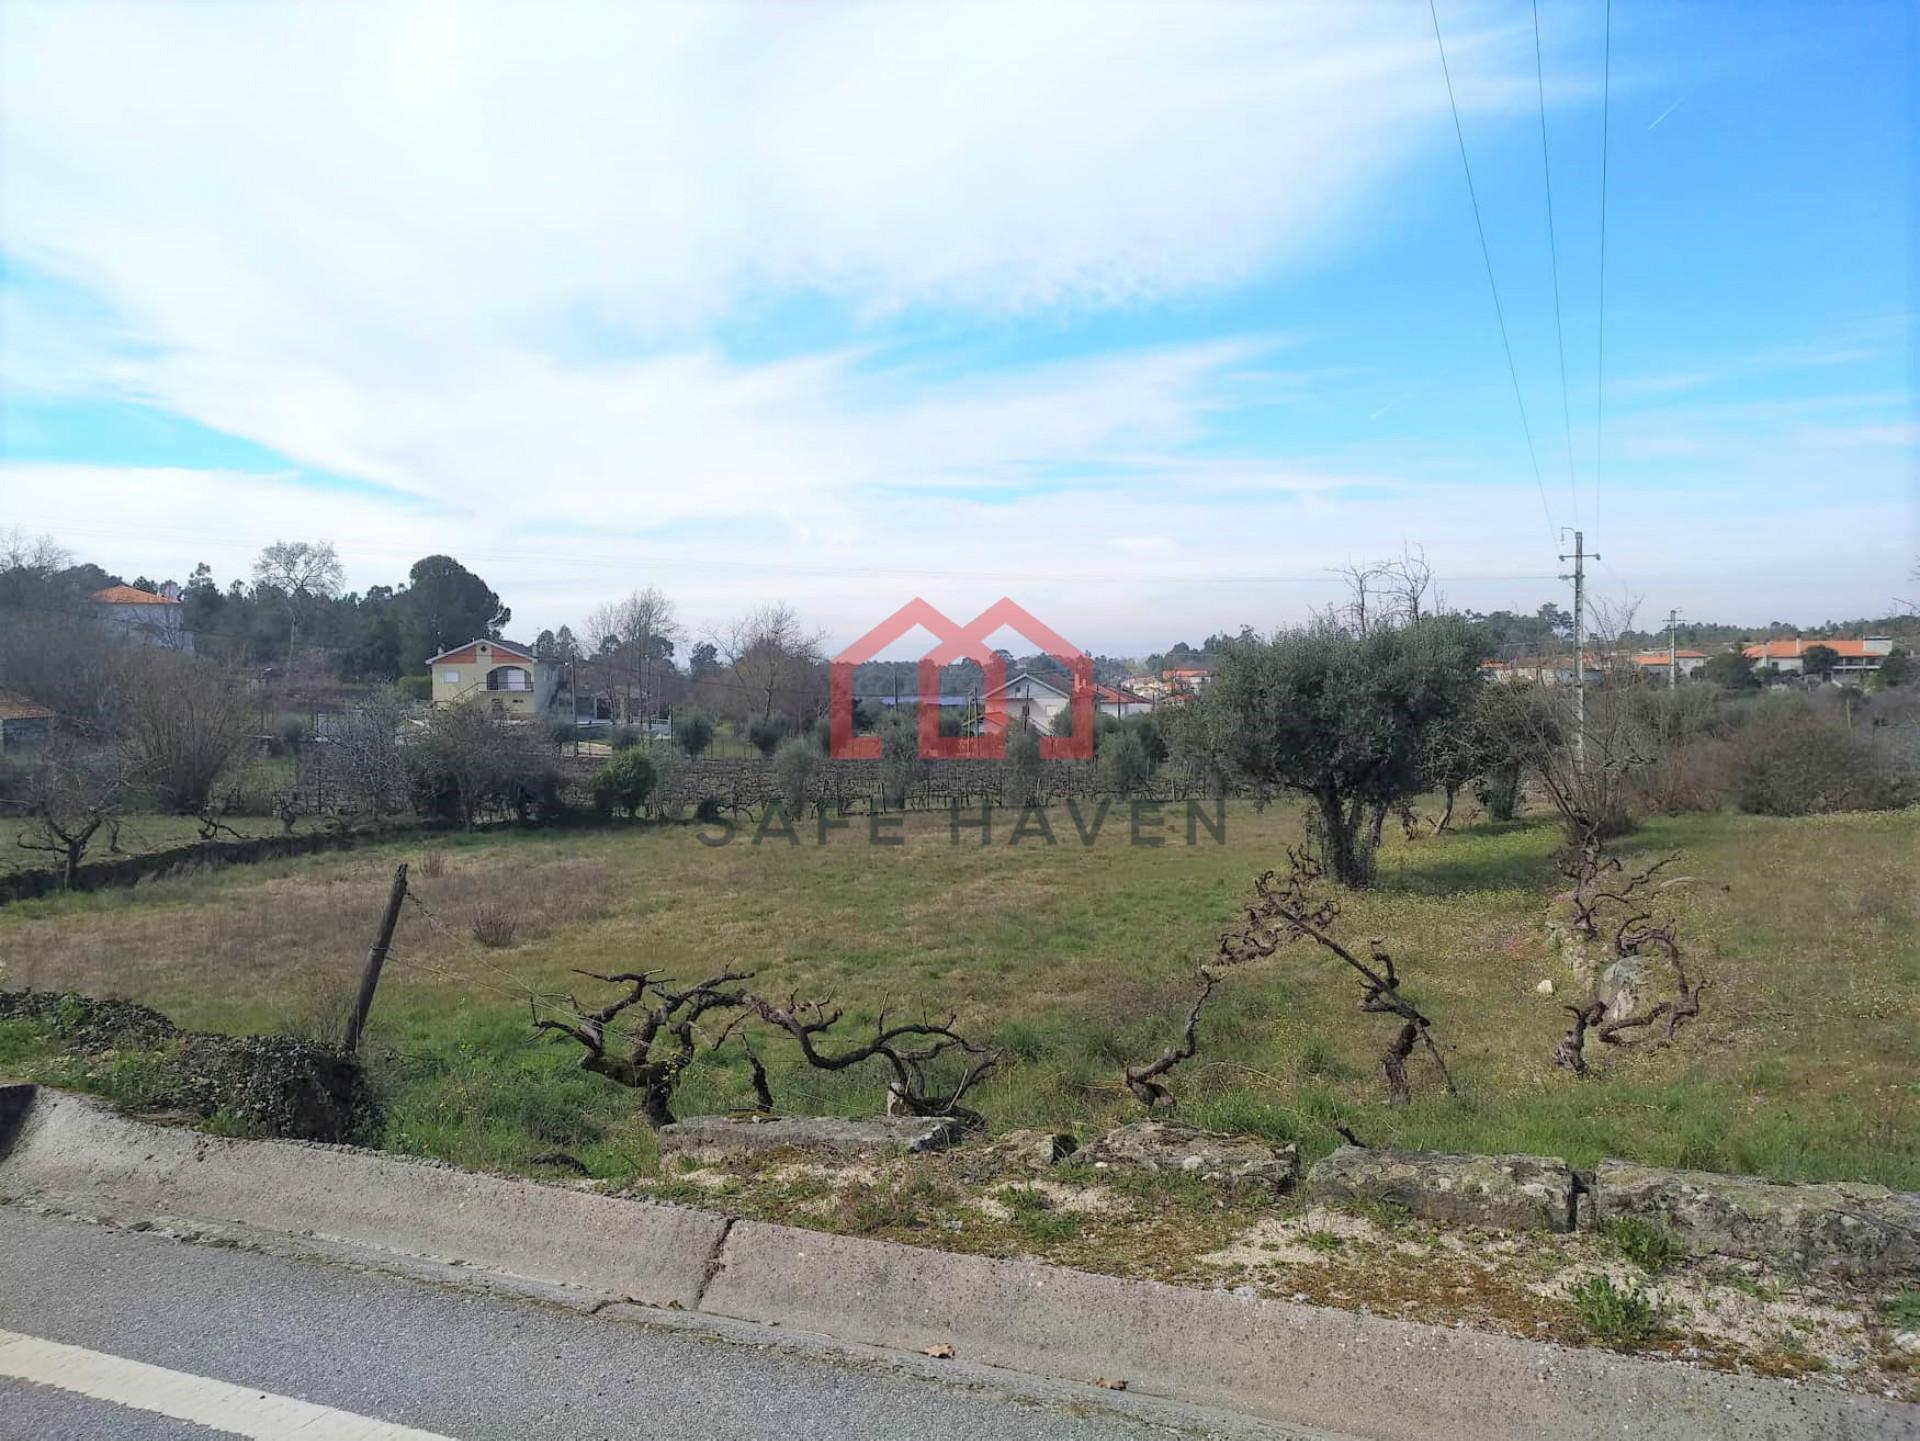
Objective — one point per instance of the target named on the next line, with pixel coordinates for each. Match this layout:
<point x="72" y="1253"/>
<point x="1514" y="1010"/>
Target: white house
<point x="1119" y="702"/>
<point x="1032" y="703"/>
<point x="1856" y="658"/>
<point x="153" y="619"/>
<point x="1656" y="663"/>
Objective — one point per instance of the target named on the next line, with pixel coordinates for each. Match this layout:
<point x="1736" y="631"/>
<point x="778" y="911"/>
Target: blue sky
<point x="1144" y="315"/>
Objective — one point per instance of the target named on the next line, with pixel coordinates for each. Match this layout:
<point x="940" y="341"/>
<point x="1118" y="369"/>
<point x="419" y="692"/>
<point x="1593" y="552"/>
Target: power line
<point x="1486" y="255"/>
<point x="1600" y="365"/>
<point x="1553" y="252"/>
<point x="684" y="561"/>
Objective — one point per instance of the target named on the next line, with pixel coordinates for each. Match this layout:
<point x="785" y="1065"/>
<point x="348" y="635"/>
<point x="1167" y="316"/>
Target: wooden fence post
<point x="376" y="958"/>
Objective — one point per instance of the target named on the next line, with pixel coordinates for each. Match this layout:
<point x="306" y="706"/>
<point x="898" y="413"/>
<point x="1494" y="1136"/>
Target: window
<point x="451" y="677"/>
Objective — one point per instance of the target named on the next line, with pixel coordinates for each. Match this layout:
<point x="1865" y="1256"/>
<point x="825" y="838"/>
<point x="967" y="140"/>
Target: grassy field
<point x="1072" y="958"/>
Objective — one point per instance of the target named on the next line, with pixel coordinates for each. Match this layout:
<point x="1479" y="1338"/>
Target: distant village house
<point x="22" y="723"/>
<point x="508" y="679"/>
<point x="1858" y="658"/>
<point x="152" y="618"/>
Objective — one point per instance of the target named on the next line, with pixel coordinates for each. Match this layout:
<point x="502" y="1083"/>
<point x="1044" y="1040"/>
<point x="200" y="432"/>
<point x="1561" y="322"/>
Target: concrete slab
<point x="73" y="1149"/>
<point x="1299" y="1365"/>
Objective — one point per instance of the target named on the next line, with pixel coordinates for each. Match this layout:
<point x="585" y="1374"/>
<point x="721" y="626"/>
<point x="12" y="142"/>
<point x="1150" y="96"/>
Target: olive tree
<point x="1339" y="718"/>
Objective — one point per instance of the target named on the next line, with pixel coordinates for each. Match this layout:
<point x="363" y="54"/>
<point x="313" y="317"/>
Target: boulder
<point x="1503" y="1193"/>
<point x="1847" y="1228"/>
<point x="1036" y="1150"/>
<point x="1162" y="1146"/>
<point x="719" y="1138"/>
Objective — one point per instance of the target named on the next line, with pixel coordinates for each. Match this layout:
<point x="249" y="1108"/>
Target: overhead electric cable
<point x="1486" y="255"/>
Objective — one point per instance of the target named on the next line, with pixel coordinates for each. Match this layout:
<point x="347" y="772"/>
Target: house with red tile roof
<point x="1654" y="662"/>
<point x="1858" y="658"/>
<point x="151" y="617"/>
<point x="508" y="679"/>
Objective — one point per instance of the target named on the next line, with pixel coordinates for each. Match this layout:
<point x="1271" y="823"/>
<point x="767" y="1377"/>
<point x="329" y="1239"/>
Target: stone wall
<point x="1850" y="1229"/>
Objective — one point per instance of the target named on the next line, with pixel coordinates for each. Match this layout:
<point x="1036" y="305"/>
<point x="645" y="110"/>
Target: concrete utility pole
<point x="1581" y="555"/>
<point x="1673" y="652"/>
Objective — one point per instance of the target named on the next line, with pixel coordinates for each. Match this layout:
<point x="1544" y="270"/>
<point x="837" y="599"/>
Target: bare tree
<point x="298" y="571"/>
<point x="633" y="637"/>
<point x="909" y="1052"/>
<point x="1292" y="909"/>
<point x="1405" y="583"/>
<point x="72" y="796"/>
<point x="773" y="657"/>
<point x="367" y="757"/>
<point x="648" y="1037"/>
<point x="190" y="723"/>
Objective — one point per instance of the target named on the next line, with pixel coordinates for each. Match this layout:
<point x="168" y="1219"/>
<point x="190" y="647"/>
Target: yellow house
<point x="504" y="677"/>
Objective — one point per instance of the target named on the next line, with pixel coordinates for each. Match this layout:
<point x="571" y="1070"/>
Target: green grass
<point x="1073" y="960"/>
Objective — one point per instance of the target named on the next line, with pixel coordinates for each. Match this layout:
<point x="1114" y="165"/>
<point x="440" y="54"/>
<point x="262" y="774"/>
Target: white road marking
<point x="219" y="1405"/>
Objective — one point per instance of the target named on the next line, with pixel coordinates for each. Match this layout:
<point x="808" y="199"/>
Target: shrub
<point x="191" y="721"/>
<point x="415" y="687"/>
<point x="563" y="732"/>
<point x="669" y="769"/>
<point x="765" y="733"/>
<point x="899" y="755"/>
<point x="494" y="924"/>
<point x="693" y="730"/>
<point x="464" y="767"/>
<point x="1020" y="769"/>
<point x="1792" y="761"/>
<point x="793" y="766"/>
<point x="1650" y="1247"/>
<point x="623" y="738"/>
<point x="1613" y="1313"/>
<point x="433" y="864"/>
<point x="1124" y="767"/>
<point x="624" y="782"/>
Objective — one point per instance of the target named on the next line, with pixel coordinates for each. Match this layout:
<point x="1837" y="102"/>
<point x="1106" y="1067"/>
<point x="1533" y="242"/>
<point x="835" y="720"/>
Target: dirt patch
<point x="1732" y="1316"/>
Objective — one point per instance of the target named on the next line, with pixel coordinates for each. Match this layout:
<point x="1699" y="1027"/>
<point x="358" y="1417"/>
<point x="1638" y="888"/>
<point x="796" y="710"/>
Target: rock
<point x="1545" y="988"/>
<point x="717" y="1138"/>
<point x="1036" y="1150"/>
<point x="1504" y="1193"/>
<point x="1210" y="1155"/>
<point x="1622" y="987"/>
<point x="1849" y="1228"/>
<point x="1907" y="1341"/>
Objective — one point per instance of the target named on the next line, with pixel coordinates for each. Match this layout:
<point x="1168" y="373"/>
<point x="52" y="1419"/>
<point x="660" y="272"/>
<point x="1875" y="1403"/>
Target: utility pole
<point x="1581" y="555"/>
<point x="1673" y="653"/>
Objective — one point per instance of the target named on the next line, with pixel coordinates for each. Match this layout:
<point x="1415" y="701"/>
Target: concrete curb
<point x="1299" y="1365"/>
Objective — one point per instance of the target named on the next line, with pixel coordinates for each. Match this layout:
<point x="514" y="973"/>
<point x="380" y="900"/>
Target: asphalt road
<point x="456" y="1364"/>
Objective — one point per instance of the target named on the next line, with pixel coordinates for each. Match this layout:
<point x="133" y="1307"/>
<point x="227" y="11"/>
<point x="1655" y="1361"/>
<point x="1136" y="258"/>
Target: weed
<point x="494" y="923"/>
<point x="1902" y="1309"/>
<point x="1649" y="1246"/>
<point x="1323" y="1241"/>
<point x="433" y="864"/>
<point x="1612" y="1313"/>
